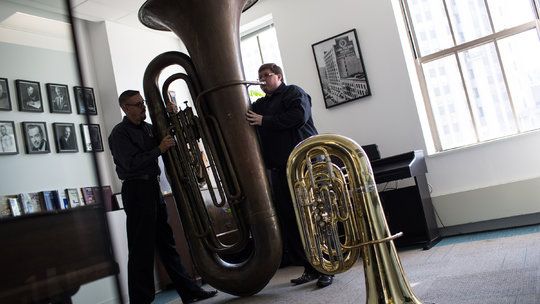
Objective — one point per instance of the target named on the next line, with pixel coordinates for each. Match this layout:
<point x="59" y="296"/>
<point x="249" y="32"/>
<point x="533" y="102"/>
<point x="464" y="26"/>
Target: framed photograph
<point x="85" y="100"/>
<point x="8" y="138"/>
<point x="58" y="95"/>
<point x="29" y="96"/>
<point x="65" y="137"/>
<point x="341" y="69"/>
<point x="91" y="135"/>
<point x="5" y="99"/>
<point x="35" y="137"/>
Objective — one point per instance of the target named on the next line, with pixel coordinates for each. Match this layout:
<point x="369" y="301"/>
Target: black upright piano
<point x="408" y="209"/>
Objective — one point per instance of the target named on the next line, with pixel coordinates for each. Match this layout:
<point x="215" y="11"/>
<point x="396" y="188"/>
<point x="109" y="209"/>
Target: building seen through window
<point x="478" y="66"/>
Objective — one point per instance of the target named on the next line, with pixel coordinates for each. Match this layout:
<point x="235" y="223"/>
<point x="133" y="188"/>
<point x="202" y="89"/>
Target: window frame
<point x="454" y="51"/>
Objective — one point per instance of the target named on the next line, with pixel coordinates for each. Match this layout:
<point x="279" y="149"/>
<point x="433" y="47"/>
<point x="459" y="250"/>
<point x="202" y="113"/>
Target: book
<point x="31" y="202"/>
<point x="63" y="202"/>
<point x="103" y="196"/>
<point x="5" y="211"/>
<point x="14" y="206"/>
<point x="50" y="200"/>
<point x="73" y="197"/>
<point x="88" y="195"/>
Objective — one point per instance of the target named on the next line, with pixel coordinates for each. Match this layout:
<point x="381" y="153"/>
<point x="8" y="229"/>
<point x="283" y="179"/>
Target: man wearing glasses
<point x="135" y="152"/>
<point x="283" y="119"/>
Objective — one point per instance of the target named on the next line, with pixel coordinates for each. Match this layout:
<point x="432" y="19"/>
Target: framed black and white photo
<point x="65" y="137"/>
<point x="29" y="96"/>
<point x="36" y="138"/>
<point x="91" y="135"/>
<point x="8" y="138"/>
<point x="341" y="69"/>
<point x="58" y="95"/>
<point x="85" y="100"/>
<point x="5" y="99"/>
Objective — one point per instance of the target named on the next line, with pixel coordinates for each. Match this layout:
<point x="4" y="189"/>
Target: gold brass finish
<point x="340" y="216"/>
<point x="215" y="145"/>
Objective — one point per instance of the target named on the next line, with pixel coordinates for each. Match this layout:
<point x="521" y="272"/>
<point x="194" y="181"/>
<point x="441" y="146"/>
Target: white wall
<point x="389" y="117"/>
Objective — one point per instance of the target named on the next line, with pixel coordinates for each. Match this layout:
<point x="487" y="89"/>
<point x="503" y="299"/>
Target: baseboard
<point x="502" y="223"/>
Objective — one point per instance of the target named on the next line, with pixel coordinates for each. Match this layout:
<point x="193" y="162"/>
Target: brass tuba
<point x="215" y="146"/>
<point x="340" y="216"/>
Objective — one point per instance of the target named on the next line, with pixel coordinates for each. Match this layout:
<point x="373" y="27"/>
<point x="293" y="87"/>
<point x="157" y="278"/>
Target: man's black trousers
<point x="147" y="232"/>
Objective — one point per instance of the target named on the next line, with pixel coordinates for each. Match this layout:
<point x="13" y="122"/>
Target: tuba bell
<point x="215" y="146"/>
<point x="340" y="216"/>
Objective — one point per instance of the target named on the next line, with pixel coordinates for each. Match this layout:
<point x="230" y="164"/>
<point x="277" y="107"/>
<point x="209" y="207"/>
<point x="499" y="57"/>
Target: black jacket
<point x="286" y="122"/>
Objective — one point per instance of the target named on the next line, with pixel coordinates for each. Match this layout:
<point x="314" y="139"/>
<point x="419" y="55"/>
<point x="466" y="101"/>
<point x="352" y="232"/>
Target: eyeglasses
<point x="263" y="77"/>
<point x="139" y="104"/>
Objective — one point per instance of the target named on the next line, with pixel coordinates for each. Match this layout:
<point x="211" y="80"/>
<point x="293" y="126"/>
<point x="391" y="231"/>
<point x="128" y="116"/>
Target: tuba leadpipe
<point x="341" y="218"/>
<point x="216" y="126"/>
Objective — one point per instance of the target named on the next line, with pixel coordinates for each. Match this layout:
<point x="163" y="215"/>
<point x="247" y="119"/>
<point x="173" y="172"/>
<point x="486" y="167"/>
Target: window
<point x="486" y="55"/>
<point x="259" y="47"/>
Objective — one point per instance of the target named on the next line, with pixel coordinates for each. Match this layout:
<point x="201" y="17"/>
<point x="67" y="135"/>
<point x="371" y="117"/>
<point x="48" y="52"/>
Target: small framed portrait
<point x="8" y="138"/>
<point x="5" y="99"/>
<point x="29" y="96"/>
<point x="91" y="135"/>
<point x="85" y="100"/>
<point x="65" y="137"/>
<point x="58" y="95"/>
<point x="36" y="138"/>
<point x="341" y="69"/>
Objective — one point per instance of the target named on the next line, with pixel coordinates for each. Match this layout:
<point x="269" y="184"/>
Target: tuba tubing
<point x="340" y="216"/>
<point x="209" y="30"/>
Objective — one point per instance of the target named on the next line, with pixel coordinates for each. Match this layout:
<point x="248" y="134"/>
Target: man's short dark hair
<point x="272" y="67"/>
<point x="127" y="94"/>
<point x="40" y="130"/>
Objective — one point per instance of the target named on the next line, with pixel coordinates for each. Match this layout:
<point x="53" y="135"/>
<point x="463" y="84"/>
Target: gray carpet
<point x="486" y="268"/>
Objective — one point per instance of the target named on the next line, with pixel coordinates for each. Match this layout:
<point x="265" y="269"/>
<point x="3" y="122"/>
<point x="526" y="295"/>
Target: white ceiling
<point x="38" y="25"/>
<point x="120" y="11"/>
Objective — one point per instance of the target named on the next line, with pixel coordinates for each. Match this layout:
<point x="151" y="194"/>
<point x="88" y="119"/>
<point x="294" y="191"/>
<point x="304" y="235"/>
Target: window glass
<point x="488" y="97"/>
<point x="521" y="61"/>
<point x="487" y="84"/>
<point x="449" y="103"/>
<point x="506" y="14"/>
<point x="258" y="48"/>
<point x="469" y="19"/>
<point x="430" y="26"/>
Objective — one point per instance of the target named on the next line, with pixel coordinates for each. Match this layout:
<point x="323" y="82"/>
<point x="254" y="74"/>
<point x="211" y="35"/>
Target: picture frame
<point x="8" y="138"/>
<point x="65" y="138"/>
<point x="91" y="136"/>
<point x="5" y="97"/>
<point x="29" y="96"/>
<point x="58" y="96"/>
<point x="85" y="100"/>
<point x="341" y="69"/>
<point x="36" y="138"/>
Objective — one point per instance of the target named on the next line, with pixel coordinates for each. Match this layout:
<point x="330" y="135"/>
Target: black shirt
<point x="286" y="122"/>
<point x="135" y="150"/>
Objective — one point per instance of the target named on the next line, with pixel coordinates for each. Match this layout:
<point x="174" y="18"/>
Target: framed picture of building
<point x="341" y="69"/>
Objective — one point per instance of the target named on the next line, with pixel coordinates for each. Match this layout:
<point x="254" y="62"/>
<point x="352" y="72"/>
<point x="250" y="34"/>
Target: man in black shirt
<point x="135" y="152"/>
<point x="283" y="119"/>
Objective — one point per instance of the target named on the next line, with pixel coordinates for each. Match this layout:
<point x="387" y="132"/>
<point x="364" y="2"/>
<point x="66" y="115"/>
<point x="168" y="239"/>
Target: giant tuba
<point x="340" y="216"/>
<point x="215" y="145"/>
